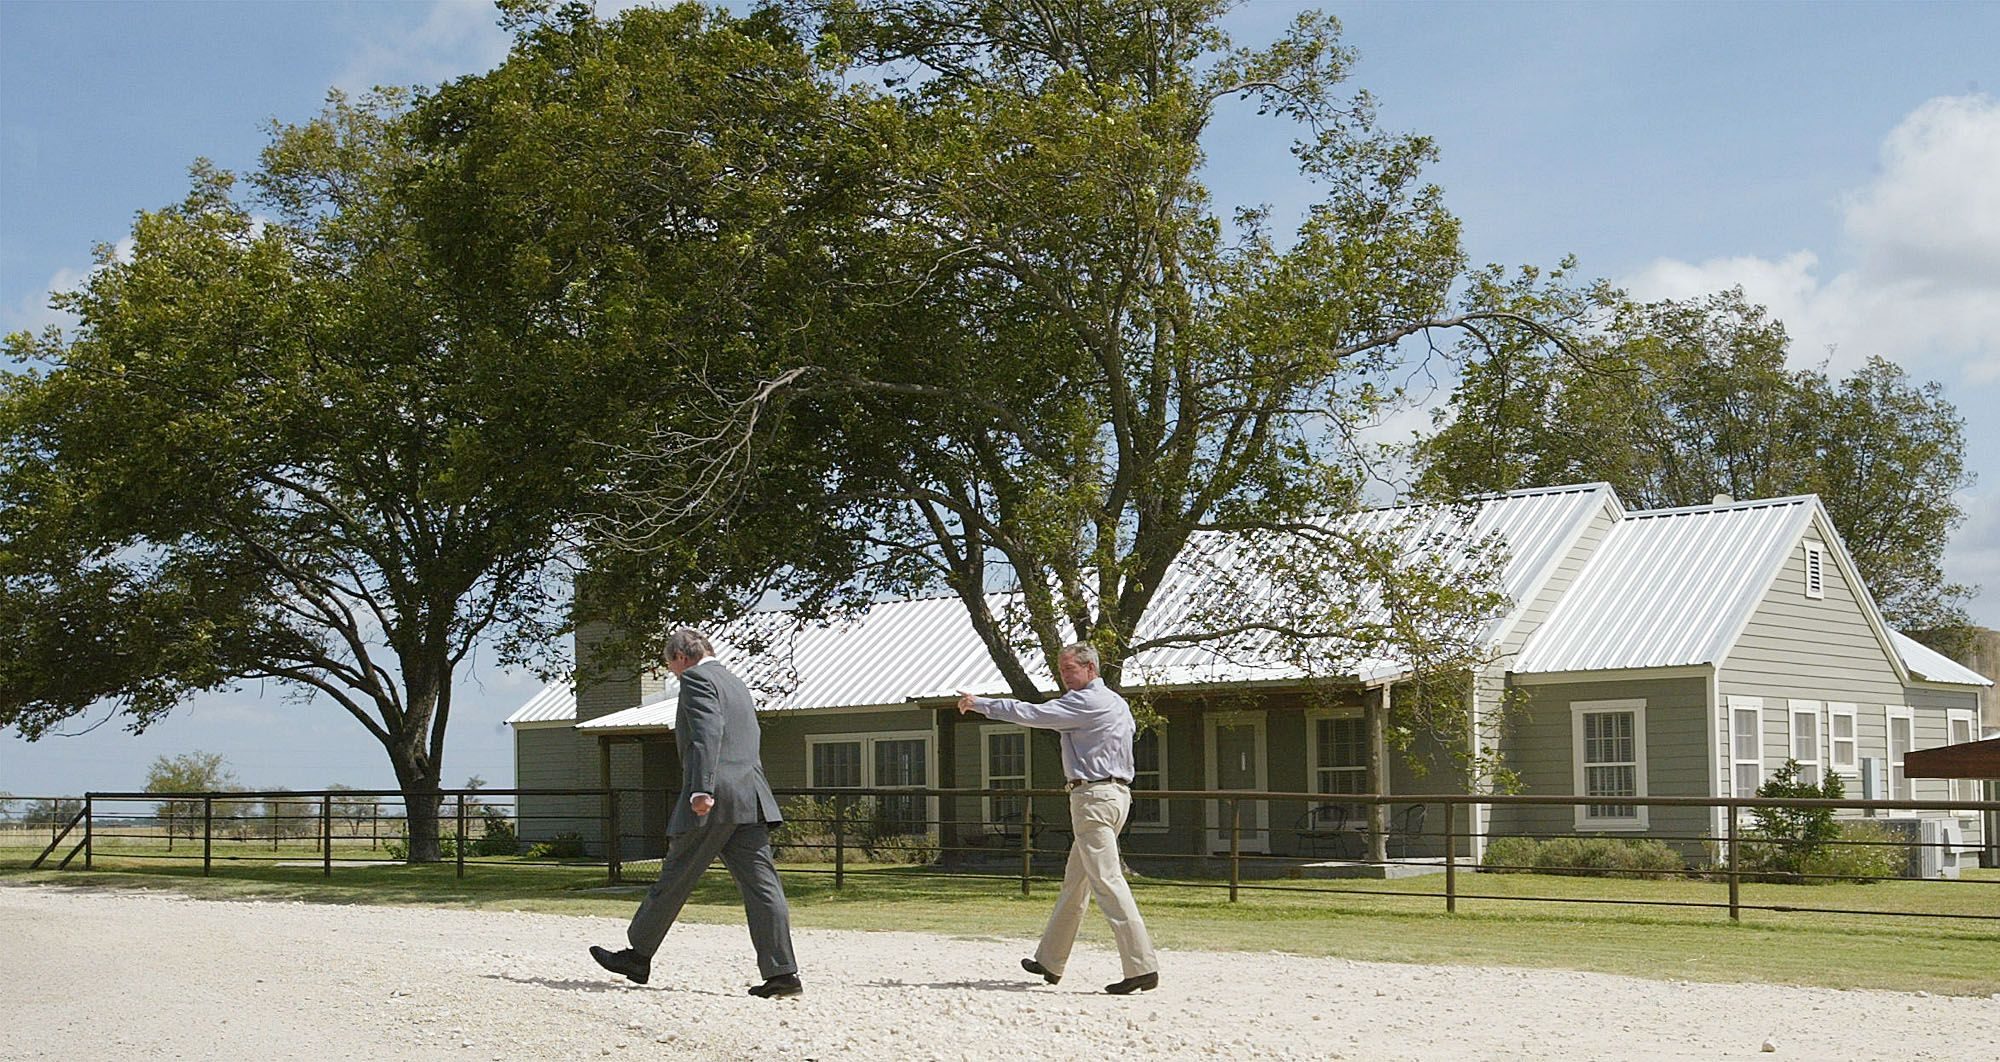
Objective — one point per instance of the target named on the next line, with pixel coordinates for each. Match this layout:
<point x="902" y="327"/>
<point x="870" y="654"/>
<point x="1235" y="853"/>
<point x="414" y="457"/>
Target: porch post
<point x="946" y="729"/>
<point x="1378" y="776"/>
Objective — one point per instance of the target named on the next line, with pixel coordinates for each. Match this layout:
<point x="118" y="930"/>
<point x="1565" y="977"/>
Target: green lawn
<point x="1405" y="923"/>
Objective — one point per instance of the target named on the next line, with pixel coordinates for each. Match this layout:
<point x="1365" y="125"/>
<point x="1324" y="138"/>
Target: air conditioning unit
<point x="1941" y="840"/>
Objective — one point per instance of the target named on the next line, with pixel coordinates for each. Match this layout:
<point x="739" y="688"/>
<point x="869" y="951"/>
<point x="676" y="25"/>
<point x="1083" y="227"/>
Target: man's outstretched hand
<point x="964" y="702"/>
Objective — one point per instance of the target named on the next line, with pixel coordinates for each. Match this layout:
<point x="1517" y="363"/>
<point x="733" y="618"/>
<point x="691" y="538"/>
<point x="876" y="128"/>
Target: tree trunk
<point x="419" y="781"/>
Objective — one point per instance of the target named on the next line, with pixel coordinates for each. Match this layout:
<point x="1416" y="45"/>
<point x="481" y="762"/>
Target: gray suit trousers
<point x="746" y="851"/>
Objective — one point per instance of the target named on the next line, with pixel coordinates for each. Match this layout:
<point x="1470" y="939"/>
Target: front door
<point x="1236" y="761"/>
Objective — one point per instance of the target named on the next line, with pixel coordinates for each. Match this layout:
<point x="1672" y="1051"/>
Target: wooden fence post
<point x="1735" y="878"/>
<point x="839" y="841"/>
<point x="614" y="864"/>
<point x="207" y="832"/>
<point x="326" y="835"/>
<point x="89" y="849"/>
<point x="461" y="835"/>
<point x="1235" y="846"/>
<point x="1451" y="858"/>
<point x="1027" y="841"/>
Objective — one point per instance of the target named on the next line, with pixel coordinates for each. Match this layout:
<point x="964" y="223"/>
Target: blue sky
<point x="1838" y="160"/>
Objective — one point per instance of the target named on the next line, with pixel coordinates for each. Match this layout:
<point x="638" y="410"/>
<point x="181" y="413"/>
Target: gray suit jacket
<point x="721" y="751"/>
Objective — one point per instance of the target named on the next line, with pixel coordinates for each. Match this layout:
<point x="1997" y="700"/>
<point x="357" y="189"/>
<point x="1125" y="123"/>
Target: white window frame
<point x="1906" y="789"/>
<point x="986" y="775"/>
<point x="1754" y="708"/>
<point x="1577" y="711"/>
<point x="1159" y="736"/>
<point x="1815" y="573"/>
<point x="867" y="741"/>
<point x="1954" y="720"/>
<point x="1313" y="765"/>
<point x="1813" y="713"/>
<point x="1849" y="768"/>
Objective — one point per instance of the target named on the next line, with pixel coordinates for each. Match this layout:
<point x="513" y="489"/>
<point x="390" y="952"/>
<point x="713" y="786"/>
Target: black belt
<point x="1078" y="783"/>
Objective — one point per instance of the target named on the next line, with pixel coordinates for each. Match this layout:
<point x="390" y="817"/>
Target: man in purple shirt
<point x="1097" y="731"/>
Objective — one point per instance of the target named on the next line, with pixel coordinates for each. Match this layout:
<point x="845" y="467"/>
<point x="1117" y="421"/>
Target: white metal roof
<point x="651" y="715"/>
<point x="1932" y="666"/>
<point x="555" y="704"/>
<point x="893" y="652"/>
<point x="1668" y="588"/>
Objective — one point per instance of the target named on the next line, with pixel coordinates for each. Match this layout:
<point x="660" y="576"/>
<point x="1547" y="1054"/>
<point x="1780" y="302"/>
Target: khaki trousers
<point x="1096" y="814"/>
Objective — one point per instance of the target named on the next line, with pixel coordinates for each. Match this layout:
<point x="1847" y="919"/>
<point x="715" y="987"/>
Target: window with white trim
<point x="1815" y="571"/>
<point x="1746" y="745"/>
<point x="1806" y="740"/>
<point x="1841" y="741"/>
<point x="837" y="765"/>
<point x="1960" y="728"/>
<point x="1003" y="764"/>
<point x="1339" y="751"/>
<point x="1149" y="771"/>
<point x="899" y="760"/>
<point x="1902" y="737"/>
<point x="1609" y="743"/>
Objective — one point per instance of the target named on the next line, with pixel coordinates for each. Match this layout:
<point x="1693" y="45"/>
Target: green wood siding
<point x="1540" y="747"/>
<point x="551" y="758"/>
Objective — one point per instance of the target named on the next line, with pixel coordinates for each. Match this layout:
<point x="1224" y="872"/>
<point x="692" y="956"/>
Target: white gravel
<point x="123" y="975"/>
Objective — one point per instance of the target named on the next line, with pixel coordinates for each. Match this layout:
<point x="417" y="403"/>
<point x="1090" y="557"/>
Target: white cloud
<point x="1921" y="286"/>
<point x="456" y="37"/>
<point x="1924" y="238"/>
<point x="33" y="313"/>
<point x="1934" y="214"/>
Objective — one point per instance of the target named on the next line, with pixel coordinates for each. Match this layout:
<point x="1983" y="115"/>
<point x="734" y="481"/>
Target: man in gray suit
<point x="725" y="809"/>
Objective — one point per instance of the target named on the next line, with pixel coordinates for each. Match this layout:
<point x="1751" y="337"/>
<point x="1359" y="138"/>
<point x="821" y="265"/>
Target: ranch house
<point x="1674" y="652"/>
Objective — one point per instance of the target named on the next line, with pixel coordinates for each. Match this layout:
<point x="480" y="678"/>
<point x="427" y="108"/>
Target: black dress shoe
<point x="1034" y="967"/>
<point x="625" y="962"/>
<point x="1145" y="982"/>
<point x="779" y="987"/>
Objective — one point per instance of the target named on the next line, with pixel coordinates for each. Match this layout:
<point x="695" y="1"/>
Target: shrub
<point x="1511" y="855"/>
<point x="808" y="834"/>
<point x="498" y="836"/>
<point x="1868" y="852"/>
<point x="1599" y="857"/>
<point x="1784" y="841"/>
<point x="561" y="846"/>
<point x="400" y="847"/>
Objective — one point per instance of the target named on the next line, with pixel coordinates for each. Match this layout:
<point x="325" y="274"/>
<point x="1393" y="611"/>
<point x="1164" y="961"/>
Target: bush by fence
<point x="1600" y="857"/>
<point x="1854" y="851"/>
<point x="807" y="835"/>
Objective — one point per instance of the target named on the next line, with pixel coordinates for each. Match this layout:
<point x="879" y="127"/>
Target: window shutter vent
<point x="1815" y="572"/>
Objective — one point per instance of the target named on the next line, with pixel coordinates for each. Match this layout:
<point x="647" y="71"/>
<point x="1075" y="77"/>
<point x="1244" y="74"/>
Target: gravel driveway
<point x="124" y="975"/>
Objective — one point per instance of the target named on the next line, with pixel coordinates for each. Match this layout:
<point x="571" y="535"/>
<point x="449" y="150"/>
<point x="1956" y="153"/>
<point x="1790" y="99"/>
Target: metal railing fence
<point x="1206" y="839"/>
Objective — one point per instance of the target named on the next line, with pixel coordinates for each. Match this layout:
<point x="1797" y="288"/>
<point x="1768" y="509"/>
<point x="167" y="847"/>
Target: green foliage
<point x="1675" y="402"/>
<point x="808" y="834"/>
<point x="400" y="847"/>
<point x="52" y="811"/>
<point x="190" y="772"/>
<point x="1861" y="852"/>
<point x="1590" y="857"/>
<point x="497" y="835"/>
<point x="1784" y="840"/>
<point x="567" y="845"/>
<point x="984" y="327"/>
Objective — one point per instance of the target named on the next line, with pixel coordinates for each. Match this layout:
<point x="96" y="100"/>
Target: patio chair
<point x="1408" y="826"/>
<point x="1331" y="829"/>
